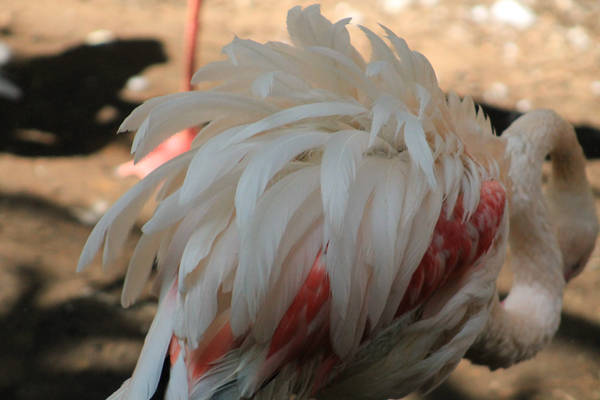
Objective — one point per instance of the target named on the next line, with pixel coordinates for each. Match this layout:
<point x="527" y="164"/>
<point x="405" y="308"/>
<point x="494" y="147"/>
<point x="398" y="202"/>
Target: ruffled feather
<point x="307" y="149"/>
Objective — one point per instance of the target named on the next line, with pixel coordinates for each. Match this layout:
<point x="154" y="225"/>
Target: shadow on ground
<point x="33" y="333"/>
<point x="580" y="332"/>
<point x="574" y="330"/>
<point x="30" y="333"/>
<point x="71" y="101"/>
<point x="447" y="391"/>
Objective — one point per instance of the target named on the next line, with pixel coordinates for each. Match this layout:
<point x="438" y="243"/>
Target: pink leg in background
<point x="180" y="142"/>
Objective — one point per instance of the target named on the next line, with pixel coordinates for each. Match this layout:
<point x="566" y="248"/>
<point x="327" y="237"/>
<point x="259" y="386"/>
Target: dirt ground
<point x="64" y="335"/>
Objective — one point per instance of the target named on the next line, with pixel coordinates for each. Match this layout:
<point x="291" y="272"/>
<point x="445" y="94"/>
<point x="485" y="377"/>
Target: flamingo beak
<point x="574" y="270"/>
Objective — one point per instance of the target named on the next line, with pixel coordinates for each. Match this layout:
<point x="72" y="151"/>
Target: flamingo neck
<point x="529" y="317"/>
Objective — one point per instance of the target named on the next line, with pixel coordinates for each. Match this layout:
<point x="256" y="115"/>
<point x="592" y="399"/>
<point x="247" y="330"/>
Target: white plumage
<point x="310" y="150"/>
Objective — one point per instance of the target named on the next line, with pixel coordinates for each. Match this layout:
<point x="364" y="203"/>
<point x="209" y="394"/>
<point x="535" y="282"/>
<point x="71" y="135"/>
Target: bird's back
<point x="336" y="229"/>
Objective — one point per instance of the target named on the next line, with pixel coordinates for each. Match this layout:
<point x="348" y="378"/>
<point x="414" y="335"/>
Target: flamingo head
<point x="575" y="226"/>
<point x="576" y="245"/>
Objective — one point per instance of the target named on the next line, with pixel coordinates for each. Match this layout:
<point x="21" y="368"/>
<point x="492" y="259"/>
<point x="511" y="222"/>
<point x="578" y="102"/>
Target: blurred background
<point x="71" y="70"/>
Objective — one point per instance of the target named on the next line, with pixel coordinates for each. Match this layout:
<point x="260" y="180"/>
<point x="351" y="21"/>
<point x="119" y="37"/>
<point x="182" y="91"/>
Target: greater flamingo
<point x="337" y="229"/>
<point x="181" y="141"/>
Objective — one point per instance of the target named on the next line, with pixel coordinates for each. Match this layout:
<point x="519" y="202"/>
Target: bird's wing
<point x="397" y="243"/>
<point x="295" y="326"/>
<point x="327" y="198"/>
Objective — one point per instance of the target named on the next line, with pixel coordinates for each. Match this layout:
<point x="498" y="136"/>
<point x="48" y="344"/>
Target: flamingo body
<point x="335" y="231"/>
<point x="303" y="332"/>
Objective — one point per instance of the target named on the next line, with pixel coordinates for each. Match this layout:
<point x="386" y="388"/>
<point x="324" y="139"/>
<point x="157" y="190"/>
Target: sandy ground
<point x="64" y="335"/>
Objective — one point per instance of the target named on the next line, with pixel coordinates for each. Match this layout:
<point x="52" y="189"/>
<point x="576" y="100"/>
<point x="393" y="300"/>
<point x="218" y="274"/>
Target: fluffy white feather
<point x="388" y="202"/>
<point x="278" y="83"/>
<point x="137" y="195"/>
<point x="260" y="242"/>
<point x="341" y="158"/>
<point x="140" y="266"/>
<point x="301" y="241"/>
<point x="308" y="149"/>
<point x="405" y="54"/>
<point x="177" y="388"/>
<point x="263" y="165"/>
<point x="201" y="301"/>
<point x="134" y="120"/>
<point x="170" y="210"/>
<point x="416" y="143"/>
<point x="149" y="366"/>
<point x="343" y="265"/>
<point x="297" y="114"/>
<point x="200" y="243"/>
<point x="207" y="168"/>
<point x="248" y="53"/>
<point x="218" y="71"/>
<point x="419" y="214"/>
<point x="348" y="71"/>
<point x="190" y="109"/>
